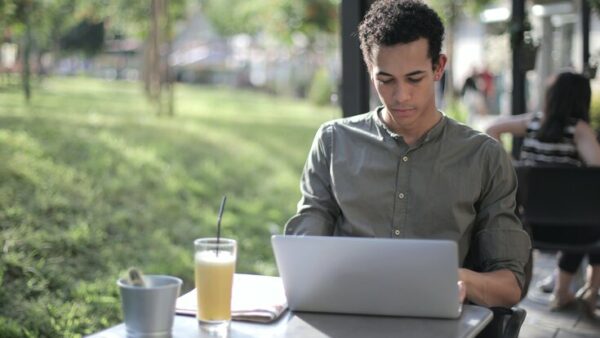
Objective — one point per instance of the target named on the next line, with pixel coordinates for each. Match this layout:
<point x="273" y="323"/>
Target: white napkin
<point x="255" y="298"/>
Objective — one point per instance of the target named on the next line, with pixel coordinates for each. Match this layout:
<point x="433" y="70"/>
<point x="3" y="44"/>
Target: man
<point x="405" y="170"/>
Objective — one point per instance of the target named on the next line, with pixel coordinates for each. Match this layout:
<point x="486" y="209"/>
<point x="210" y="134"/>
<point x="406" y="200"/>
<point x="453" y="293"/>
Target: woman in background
<point x="562" y="136"/>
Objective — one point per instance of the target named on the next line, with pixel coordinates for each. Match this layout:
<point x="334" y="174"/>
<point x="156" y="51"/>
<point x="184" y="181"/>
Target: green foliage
<point x="93" y="183"/>
<point x="279" y="18"/>
<point x="86" y="36"/>
<point x="13" y="11"/>
<point x="49" y="19"/>
<point x="321" y="88"/>
<point x="457" y="111"/>
<point x="228" y="22"/>
<point x="450" y="10"/>
<point x="127" y="18"/>
<point x="53" y="19"/>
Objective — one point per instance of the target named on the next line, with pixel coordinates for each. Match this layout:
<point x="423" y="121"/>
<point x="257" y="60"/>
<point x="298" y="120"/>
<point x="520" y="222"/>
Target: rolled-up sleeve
<point x="317" y="209"/>
<point x="499" y="240"/>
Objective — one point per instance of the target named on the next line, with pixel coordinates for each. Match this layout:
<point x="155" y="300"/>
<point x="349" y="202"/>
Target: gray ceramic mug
<point x="149" y="311"/>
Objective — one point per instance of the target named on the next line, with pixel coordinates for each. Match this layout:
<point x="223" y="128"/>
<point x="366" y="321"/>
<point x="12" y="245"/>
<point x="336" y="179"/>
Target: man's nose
<point x="402" y="93"/>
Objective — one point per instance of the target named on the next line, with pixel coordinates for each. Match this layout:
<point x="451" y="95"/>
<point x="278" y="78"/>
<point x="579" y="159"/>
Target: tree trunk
<point x="26" y="71"/>
<point x="146" y="66"/>
<point x="168" y="75"/>
<point x="156" y="74"/>
<point x="152" y="59"/>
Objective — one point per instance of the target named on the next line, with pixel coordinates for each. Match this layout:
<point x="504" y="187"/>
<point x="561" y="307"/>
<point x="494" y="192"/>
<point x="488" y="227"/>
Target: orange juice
<point x="214" y="279"/>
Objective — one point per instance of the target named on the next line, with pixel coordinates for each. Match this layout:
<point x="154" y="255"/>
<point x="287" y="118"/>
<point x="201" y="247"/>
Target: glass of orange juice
<point x="215" y="265"/>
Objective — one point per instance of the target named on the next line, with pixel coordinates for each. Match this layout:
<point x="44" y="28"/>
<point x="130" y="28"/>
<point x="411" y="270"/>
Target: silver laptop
<point x="373" y="276"/>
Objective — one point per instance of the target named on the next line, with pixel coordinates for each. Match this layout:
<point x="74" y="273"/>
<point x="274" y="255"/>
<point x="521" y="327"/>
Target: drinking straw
<point x="219" y="221"/>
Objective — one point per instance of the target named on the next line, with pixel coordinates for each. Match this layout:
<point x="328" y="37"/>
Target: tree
<point x="150" y="21"/>
<point x="159" y="44"/>
<point x="37" y="26"/>
<point x="158" y="48"/>
<point x="80" y="25"/>
<point x="16" y="15"/>
<point x="281" y="19"/>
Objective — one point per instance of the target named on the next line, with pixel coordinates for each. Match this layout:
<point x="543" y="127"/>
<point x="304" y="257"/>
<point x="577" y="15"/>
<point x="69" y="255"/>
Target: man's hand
<point x="462" y="292"/>
<point x="494" y="288"/>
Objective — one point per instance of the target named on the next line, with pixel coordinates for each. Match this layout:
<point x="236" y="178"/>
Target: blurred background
<point x="123" y="123"/>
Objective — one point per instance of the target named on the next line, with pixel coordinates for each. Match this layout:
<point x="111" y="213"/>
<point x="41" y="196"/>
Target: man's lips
<point x="402" y="110"/>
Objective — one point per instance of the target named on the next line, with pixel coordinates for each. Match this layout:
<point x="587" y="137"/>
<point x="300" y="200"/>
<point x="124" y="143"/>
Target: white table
<point x="307" y="325"/>
<point x="262" y="291"/>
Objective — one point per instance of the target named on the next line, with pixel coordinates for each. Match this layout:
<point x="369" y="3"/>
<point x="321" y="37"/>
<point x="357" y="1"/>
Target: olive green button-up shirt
<point x="361" y="179"/>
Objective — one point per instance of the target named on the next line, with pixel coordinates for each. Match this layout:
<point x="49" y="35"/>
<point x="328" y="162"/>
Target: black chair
<point x="560" y="207"/>
<point x="555" y="199"/>
<point x="505" y="324"/>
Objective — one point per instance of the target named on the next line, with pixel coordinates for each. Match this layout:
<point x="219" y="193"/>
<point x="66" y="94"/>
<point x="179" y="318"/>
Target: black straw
<point x="219" y="221"/>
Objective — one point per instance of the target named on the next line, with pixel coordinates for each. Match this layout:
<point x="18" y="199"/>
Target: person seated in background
<point x="406" y="170"/>
<point x="473" y="97"/>
<point x="561" y="136"/>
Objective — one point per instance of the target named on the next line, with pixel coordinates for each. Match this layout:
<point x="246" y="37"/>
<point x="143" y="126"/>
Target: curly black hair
<point x="389" y="22"/>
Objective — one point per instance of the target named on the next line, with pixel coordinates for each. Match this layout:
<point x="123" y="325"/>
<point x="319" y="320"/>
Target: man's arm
<point x="500" y="247"/>
<point x="495" y="288"/>
<point x="317" y="208"/>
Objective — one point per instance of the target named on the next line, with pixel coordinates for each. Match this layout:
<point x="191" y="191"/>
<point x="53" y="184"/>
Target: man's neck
<point x="413" y="132"/>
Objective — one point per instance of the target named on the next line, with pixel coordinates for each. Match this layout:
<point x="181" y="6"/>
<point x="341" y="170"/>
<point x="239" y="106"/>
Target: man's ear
<point x="439" y="67"/>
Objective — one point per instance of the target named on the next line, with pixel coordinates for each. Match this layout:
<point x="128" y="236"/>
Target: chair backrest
<point x="560" y="196"/>
<point x="552" y="197"/>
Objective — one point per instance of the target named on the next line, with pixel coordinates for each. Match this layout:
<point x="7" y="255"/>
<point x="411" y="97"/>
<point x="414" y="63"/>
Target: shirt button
<point x="400" y="195"/>
<point x="405" y="158"/>
<point x="397" y="232"/>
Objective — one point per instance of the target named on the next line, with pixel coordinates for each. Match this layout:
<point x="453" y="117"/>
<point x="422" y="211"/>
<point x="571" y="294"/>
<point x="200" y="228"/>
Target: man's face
<point x="404" y="78"/>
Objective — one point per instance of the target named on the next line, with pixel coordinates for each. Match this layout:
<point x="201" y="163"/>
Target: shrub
<point x="321" y="88"/>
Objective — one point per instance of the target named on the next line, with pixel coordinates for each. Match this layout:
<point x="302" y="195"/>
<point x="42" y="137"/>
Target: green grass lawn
<point x="93" y="182"/>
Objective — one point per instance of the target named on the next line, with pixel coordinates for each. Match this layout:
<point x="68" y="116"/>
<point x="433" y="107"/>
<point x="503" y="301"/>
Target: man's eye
<point x="384" y="81"/>
<point x="414" y="80"/>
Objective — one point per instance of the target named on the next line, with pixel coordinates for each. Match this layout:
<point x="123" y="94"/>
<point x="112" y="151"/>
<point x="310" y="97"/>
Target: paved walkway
<point x="540" y="322"/>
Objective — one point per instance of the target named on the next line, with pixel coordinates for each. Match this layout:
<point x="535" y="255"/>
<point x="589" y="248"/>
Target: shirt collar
<point x="430" y="135"/>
